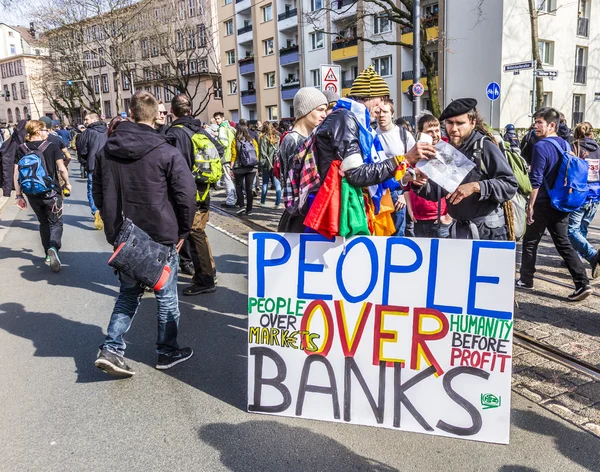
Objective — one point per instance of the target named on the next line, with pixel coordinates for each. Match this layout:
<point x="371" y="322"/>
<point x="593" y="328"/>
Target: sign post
<point x="331" y="78"/>
<point x="493" y="93"/>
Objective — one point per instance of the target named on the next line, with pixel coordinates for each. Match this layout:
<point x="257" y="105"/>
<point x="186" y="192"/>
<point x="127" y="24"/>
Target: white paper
<point x="449" y="167"/>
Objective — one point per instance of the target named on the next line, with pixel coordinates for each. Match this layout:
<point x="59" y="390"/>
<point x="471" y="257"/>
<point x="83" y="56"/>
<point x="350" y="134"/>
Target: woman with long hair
<point x="244" y="158"/>
<point x="47" y="206"/>
<point x="586" y="148"/>
<point x="268" y="144"/>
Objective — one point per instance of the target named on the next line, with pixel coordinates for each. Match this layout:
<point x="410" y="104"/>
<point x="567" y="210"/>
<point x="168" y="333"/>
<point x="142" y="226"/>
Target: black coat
<point x="157" y="189"/>
<point x="90" y="142"/>
<point x="7" y="157"/>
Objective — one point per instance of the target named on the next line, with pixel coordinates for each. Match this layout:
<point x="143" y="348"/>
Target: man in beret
<point x="476" y="204"/>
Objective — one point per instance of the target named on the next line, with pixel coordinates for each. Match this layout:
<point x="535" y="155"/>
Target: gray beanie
<point x="331" y="96"/>
<point x="306" y="100"/>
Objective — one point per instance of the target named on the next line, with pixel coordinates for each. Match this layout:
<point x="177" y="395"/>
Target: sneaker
<point x="215" y="280"/>
<point x="249" y="212"/>
<point x="54" y="260"/>
<point x="98" y="220"/>
<point x="166" y="361"/>
<point x="241" y="211"/>
<point x="47" y="260"/>
<point x="228" y="205"/>
<point x="187" y="269"/>
<point x="580" y="293"/>
<point x="113" y="364"/>
<point x="261" y="204"/>
<point x="198" y="290"/>
<point x="520" y="284"/>
<point x="277" y="207"/>
<point x="595" y="266"/>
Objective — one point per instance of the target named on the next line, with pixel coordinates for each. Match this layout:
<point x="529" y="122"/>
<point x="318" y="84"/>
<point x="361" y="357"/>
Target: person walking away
<point x="477" y="204"/>
<point x="198" y="255"/>
<point x="226" y="135"/>
<point x="46" y="199"/>
<point x="310" y="108"/>
<point x="244" y="158"/>
<point x="396" y="141"/>
<point x="431" y="219"/>
<point x="268" y="145"/>
<point x="541" y="215"/>
<point x="142" y="177"/>
<point x="510" y="136"/>
<point x="586" y="148"/>
<point x="89" y="143"/>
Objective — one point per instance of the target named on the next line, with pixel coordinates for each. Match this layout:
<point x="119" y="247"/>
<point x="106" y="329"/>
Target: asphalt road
<point x="59" y="413"/>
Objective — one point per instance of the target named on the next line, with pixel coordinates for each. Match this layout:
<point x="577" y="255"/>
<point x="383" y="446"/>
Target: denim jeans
<point x="89" y="194"/>
<point x="579" y="221"/>
<point x="430" y="229"/>
<point x="399" y="216"/>
<point x="229" y="185"/>
<point x="126" y="307"/>
<point x="267" y="177"/>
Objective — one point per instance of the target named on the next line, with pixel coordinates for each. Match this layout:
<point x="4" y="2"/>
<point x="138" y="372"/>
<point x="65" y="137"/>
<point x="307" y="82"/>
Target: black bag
<point x="136" y="254"/>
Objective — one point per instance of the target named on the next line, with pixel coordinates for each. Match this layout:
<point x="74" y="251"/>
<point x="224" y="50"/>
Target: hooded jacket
<point x="498" y="183"/>
<point x="90" y="142"/>
<point x="8" y="153"/>
<point x="589" y="150"/>
<point x="157" y="190"/>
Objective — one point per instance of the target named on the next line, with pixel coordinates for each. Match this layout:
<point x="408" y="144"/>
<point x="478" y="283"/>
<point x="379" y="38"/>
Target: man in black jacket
<point x="204" y="265"/>
<point x="476" y="204"/>
<point x="88" y="145"/>
<point x="140" y="176"/>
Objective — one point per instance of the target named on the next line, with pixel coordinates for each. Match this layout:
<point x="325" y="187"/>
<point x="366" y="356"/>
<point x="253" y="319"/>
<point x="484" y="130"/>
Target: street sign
<point x="493" y="91"/>
<point x="518" y="66"/>
<point x="123" y="114"/>
<point x="418" y="90"/>
<point x="331" y="78"/>
<point x="546" y="73"/>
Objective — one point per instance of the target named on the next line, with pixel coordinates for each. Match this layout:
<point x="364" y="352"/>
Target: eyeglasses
<point x="163" y="112"/>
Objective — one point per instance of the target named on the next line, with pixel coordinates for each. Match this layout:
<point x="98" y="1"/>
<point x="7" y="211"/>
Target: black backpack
<point x="246" y="154"/>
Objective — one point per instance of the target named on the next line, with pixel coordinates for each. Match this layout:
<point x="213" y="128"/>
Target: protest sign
<point x="410" y="334"/>
<point x="449" y="167"/>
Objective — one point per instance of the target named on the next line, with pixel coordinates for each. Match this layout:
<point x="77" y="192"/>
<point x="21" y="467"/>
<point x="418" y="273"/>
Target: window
<point x="11" y="69"/>
<point x="580" y="65"/>
<point x="546" y="52"/>
<point x="228" y="27"/>
<point x="193" y="67"/>
<point x="270" y="80"/>
<point x="14" y="91"/>
<point x="125" y="80"/>
<point x="105" y="86"/>
<point x="268" y="47"/>
<point x="6" y="95"/>
<point x="179" y="40"/>
<point x="191" y="40"/>
<point x="316" y="40"/>
<point x="202" y="36"/>
<point x="227" y="2"/>
<point x="9" y="115"/>
<point x="267" y="13"/>
<point x="107" y="110"/>
<point x="272" y="113"/>
<point x="204" y="65"/>
<point x="217" y="88"/>
<point x="383" y="65"/>
<point x="147" y="74"/>
<point x="316" y="77"/>
<point x="10" y="34"/>
<point x="157" y="89"/>
<point x="546" y="6"/>
<point x="192" y="8"/>
<point x="126" y="105"/>
<point x="382" y="24"/>
<point x="3" y="71"/>
<point x="19" y="66"/>
<point x="97" y="84"/>
<point x="18" y="114"/>
<point x="583" y="19"/>
<point x="23" y="92"/>
<point x="230" y="57"/>
<point x="232" y="86"/>
<point x="155" y="47"/>
<point x="167" y="94"/>
<point x="578" y="109"/>
<point x="13" y="49"/>
<point x="316" y="5"/>
<point x="165" y="71"/>
<point x="145" y="48"/>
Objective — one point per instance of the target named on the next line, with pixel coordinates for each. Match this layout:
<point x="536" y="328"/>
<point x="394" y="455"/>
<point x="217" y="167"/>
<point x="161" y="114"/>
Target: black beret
<point x="458" y="107"/>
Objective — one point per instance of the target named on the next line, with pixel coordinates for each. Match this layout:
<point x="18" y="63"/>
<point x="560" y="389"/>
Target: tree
<point x="397" y="12"/>
<point x="535" y="51"/>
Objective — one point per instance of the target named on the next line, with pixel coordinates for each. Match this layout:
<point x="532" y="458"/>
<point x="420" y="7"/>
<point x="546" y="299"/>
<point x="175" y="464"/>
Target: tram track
<point x="520" y="339"/>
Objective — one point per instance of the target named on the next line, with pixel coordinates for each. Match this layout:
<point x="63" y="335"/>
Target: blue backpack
<point x="571" y="187"/>
<point x="32" y="176"/>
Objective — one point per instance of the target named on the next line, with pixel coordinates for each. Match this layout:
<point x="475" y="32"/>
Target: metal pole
<point x="416" y="54"/>
<point x="534" y="87"/>
<point x="492" y="114"/>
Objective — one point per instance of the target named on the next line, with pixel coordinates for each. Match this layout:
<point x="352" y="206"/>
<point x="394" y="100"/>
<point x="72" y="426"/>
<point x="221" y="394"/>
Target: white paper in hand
<point x="449" y="167"/>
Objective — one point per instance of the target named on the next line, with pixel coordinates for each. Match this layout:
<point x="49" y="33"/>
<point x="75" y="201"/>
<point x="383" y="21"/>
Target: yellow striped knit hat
<point x="369" y="84"/>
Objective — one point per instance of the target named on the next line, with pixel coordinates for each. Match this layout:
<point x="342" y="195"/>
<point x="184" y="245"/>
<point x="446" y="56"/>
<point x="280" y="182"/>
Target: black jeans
<point x="244" y="179"/>
<point x="49" y="214"/>
<point x="557" y="224"/>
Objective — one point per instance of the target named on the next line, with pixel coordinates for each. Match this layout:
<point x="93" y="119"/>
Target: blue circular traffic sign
<point x="418" y="89"/>
<point x="493" y="91"/>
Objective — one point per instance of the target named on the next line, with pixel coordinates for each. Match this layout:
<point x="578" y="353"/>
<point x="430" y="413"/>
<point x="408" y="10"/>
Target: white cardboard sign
<point x="409" y="334"/>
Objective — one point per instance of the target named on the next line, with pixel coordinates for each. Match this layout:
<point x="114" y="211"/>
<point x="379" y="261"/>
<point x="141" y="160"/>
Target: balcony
<point x="347" y="83"/>
<point x="244" y="34"/>
<point x="583" y="27"/>
<point x="288" y="14"/>
<point x="341" y="9"/>
<point x="289" y="90"/>
<point x="431" y="30"/>
<point x="241" y="5"/>
<point x="408" y="75"/>
<point x="288" y="20"/>
<point x="246" y="65"/>
<point x="289" y="55"/>
<point x="343" y="49"/>
<point x="249" y="97"/>
<point x="581" y="75"/>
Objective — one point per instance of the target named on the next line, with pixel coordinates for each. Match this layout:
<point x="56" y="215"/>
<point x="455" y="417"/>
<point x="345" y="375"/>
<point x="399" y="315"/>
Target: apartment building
<point x="22" y="58"/>
<point x="161" y="47"/>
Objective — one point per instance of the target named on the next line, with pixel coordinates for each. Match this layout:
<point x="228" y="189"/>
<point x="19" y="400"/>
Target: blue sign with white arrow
<point x="493" y="91"/>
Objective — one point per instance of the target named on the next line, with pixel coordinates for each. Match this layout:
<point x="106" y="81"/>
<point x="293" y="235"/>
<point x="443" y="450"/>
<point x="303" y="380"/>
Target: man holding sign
<point x="476" y="204"/>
